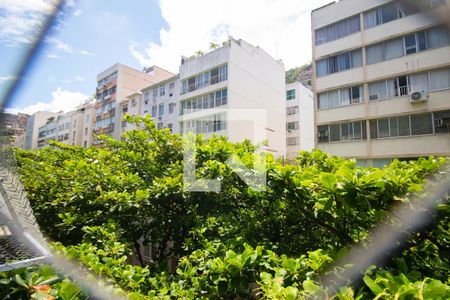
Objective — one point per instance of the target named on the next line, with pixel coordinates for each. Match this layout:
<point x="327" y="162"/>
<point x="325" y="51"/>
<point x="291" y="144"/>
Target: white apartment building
<point x="382" y="79"/>
<point x="299" y="119"/>
<point x="65" y="128"/>
<point x="113" y="86"/>
<point x="34" y="122"/>
<point x="234" y="76"/>
<point x="160" y="100"/>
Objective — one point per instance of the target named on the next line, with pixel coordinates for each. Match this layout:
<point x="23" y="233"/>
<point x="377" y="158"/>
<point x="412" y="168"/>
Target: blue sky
<point x="94" y="34"/>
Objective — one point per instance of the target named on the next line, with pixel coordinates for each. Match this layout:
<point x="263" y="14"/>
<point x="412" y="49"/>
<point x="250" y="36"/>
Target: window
<point x="339" y="63"/>
<point x="340" y="97"/>
<point x="154" y="109"/>
<point x="87" y="119"/>
<point x="155" y="93"/>
<point x="442" y="121"/>
<point x="162" y="91"/>
<point x="125" y="108"/>
<point x="161" y="109"/>
<point x="86" y="131"/>
<point x="133" y="102"/>
<point x="421" y="124"/>
<point x="207" y="78"/>
<point x="208" y="124"/>
<point x="401" y="126"/>
<point x="410" y="44"/>
<point x="170" y="126"/>
<point x="349" y="131"/>
<point x="292" y="126"/>
<point x="85" y="144"/>
<point x="206" y="101"/>
<point x="292" y="110"/>
<point x="292" y="141"/>
<point x="172" y="107"/>
<point x="337" y="30"/>
<point x="440" y="79"/>
<point x="160" y="126"/>
<point x="290" y="94"/>
<point x="387" y="89"/>
<point x="171" y="88"/>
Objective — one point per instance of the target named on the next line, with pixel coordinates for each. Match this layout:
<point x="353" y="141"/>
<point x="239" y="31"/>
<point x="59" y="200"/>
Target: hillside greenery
<point x="97" y="204"/>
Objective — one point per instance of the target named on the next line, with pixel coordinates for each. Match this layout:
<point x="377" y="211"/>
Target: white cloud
<point x="85" y="52"/>
<point x="60" y="44"/>
<point x="21" y="20"/>
<point x="280" y="27"/>
<point x="52" y="56"/>
<point x="62" y="100"/>
<point x="79" y="78"/>
<point x="77" y="13"/>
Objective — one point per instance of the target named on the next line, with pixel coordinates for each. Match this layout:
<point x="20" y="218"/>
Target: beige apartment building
<point x="34" y="122"/>
<point x="114" y="85"/>
<point x="382" y="79"/>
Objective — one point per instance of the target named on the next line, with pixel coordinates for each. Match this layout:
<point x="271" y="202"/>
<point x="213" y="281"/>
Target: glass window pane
<point x="354" y="24"/>
<point x="357" y="130"/>
<point x="410" y="44"/>
<point x="393" y="124"/>
<point x="356" y="94"/>
<point x="421" y="40"/>
<point x="389" y="13"/>
<point x="438" y="36"/>
<point x="333" y="99"/>
<point x="374" y="54"/>
<point x="321" y="67"/>
<point x="370" y="19"/>
<point x="373" y="129"/>
<point x="323" y="133"/>
<point x="357" y="58"/>
<point x="345" y="96"/>
<point x="344" y="61"/>
<point x="440" y="79"/>
<point x="322" y="101"/>
<point x="421" y="124"/>
<point x="347" y="131"/>
<point x="419" y="82"/>
<point x="393" y="49"/>
<point x="383" y="128"/>
<point x="403" y="126"/>
<point x="335" y="132"/>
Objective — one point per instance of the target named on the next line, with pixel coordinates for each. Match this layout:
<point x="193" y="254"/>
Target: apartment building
<point x="382" y="79"/>
<point x="65" y="128"/>
<point x="89" y="114"/>
<point x="113" y="86"/>
<point x="34" y="122"/>
<point x="299" y="119"/>
<point x="160" y="100"/>
<point x="216" y="86"/>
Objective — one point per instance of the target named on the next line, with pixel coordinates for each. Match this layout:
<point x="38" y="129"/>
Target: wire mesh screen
<point x="21" y="241"/>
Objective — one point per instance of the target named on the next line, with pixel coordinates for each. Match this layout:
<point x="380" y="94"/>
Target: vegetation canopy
<point x="101" y="205"/>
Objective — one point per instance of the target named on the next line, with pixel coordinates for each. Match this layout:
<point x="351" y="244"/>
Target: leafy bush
<point x="98" y="203"/>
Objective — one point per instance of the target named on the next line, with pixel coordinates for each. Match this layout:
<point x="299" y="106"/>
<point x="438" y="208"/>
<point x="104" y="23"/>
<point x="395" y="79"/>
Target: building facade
<point x="114" y="85"/>
<point x="299" y="119"/>
<point x="232" y="78"/>
<point x="34" y="122"/>
<point x="382" y="78"/>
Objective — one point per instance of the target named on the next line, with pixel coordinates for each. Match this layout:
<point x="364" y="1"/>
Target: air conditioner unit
<point x="418" y="96"/>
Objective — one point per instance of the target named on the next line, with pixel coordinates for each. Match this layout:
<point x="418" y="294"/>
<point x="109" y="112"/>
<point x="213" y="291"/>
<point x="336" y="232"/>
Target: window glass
<point x="393" y="49"/>
<point x="438" y="37"/>
<point x="393" y="124"/>
<point x="421" y="40"/>
<point x="389" y="13"/>
<point x="356" y="92"/>
<point x="440" y="79"/>
<point x="356" y="58"/>
<point x="374" y="54"/>
<point x="321" y="67"/>
<point x="357" y="130"/>
<point x="335" y="132"/>
<point x="323" y="133"/>
<point x="373" y="129"/>
<point x="383" y="128"/>
<point x="419" y="82"/>
<point x="404" y="126"/>
<point x="421" y="124"/>
<point x="410" y="44"/>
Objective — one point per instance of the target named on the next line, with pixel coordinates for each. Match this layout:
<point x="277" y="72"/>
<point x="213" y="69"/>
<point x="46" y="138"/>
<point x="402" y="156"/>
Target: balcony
<point x="104" y="130"/>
